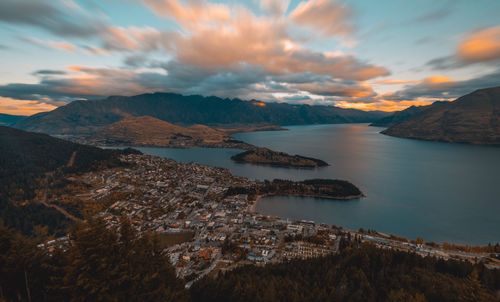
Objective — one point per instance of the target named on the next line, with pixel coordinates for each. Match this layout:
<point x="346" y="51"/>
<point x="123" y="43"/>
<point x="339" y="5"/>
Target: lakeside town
<point x="208" y="226"/>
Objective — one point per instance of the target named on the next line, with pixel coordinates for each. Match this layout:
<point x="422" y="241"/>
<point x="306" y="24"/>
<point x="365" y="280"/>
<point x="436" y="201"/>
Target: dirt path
<point x="71" y="161"/>
<point x="56" y="207"/>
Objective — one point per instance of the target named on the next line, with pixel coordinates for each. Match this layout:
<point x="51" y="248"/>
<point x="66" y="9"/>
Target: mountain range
<point x="473" y="118"/>
<point x="85" y="116"/>
<point x="399" y="116"/>
<point x="8" y="119"/>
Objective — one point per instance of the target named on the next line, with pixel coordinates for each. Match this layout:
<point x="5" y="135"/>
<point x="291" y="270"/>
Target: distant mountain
<point x="7" y="119"/>
<point x="399" y="116"/>
<point x="25" y="159"/>
<point x="150" y="131"/>
<point x="81" y="117"/>
<point x="473" y="118"/>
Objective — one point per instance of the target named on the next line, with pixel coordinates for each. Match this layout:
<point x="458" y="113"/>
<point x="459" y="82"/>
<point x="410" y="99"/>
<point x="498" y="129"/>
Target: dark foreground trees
<point x="98" y="264"/>
<point x="101" y="264"/>
<point x="356" y="274"/>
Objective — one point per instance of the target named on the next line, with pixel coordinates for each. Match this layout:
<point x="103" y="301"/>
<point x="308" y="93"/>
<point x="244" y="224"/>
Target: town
<point x="207" y="227"/>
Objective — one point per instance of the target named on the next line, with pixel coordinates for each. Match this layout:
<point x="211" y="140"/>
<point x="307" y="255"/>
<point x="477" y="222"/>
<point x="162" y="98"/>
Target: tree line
<point x="99" y="263"/>
<point x="360" y="272"/>
<point x="96" y="264"/>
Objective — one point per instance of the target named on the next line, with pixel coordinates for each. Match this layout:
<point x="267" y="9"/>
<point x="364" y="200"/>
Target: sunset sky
<point x="370" y="55"/>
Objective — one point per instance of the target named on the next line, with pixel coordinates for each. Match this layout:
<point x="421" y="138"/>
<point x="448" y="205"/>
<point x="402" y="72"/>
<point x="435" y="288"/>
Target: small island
<point x="319" y="188"/>
<point x="264" y="156"/>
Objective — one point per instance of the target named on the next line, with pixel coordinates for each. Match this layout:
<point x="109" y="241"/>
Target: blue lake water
<point x="438" y="191"/>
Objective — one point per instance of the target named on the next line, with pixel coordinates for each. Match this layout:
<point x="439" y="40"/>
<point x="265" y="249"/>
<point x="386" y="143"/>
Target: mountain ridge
<point x="473" y="118"/>
<point x="9" y="119"/>
<point x="85" y="116"/>
<point x="150" y="131"/>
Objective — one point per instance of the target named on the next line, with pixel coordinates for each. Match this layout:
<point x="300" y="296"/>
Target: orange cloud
<point x="264" y="42"/>
<point x="23" y="107"/>
<point x="275" y="7"/>
<point x="137" y="38"/>
<point x="437" y="80"/>
<point x="57" y="45"/>
<point x="219" y="37"/>
<point x="481" y="45"/>
<point x="190" y="13"/>
<point x="326" y="16"/>
<point x="101" y="81"/>
<point x="259" y="104"/>
<point x="334" y="89"/>
<point x="383" y="105"/>
<point x="395" y="82"/>
<point x="63" y="46"/>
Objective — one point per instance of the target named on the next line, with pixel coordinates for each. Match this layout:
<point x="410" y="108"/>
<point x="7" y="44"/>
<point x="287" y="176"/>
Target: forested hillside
<point x="25" y="159"/>
<point x="102" y="264"/>
<point x="98" y="264"/>
<point x="362" y="273"/>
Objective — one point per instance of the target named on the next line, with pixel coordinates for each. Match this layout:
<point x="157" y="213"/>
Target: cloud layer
<point x="219" y="49"/>
<point x="271" y="51"/>
<point x="481" y="46"/>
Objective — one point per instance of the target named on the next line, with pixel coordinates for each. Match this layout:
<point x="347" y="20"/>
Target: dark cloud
<point x="245" y="81"/>
<point x="188" y="79"/>
<point x="447" y="90"/>
<point x="135" y="61"/>
<point x="48" y="72"/>
<point x="436" y="14"/>
<point x="297" y="98"/>
<point x="337" y="88"/>
<point x="447" y="62"/>
<point x="304" y="77"/>
<point x="50" y="92"/>
<point x="60" y="20"/>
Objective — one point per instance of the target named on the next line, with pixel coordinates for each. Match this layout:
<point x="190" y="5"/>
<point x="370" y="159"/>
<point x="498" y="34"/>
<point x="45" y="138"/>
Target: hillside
<point x="25" y="158"/>
<point x="362" y="273"/>
<point x="473" y="118"/>
<point x="399" y="116"/>
<point x="150" y="131"/>
<point x="264" y="156"/>
<point x="119" y="264"/>
<point x="7" y="119"/>
<point x="81" y="117"/>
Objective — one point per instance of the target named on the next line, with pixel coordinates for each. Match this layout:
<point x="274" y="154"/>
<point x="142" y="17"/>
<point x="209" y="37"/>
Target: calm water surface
<point x="439" y="191"/>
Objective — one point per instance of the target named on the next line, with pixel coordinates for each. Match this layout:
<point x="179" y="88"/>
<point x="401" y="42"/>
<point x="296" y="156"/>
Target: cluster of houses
<point x="222" y="230"/>
<point x="167" y="197"/>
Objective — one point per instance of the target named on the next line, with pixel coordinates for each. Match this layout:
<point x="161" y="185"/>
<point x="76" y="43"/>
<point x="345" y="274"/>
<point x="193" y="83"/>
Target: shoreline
<point x="253" y="206"/>
<point x="436" y="249"/>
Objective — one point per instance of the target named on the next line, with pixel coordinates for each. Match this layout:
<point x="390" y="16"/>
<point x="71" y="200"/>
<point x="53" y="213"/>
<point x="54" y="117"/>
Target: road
<point x="43" y="200"/>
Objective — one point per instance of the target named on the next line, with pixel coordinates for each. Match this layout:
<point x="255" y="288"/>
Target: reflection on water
<point x="439" y="191"/>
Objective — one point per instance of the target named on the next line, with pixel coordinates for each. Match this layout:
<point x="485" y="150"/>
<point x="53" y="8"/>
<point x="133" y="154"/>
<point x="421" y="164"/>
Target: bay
<point x="438" y="191"/>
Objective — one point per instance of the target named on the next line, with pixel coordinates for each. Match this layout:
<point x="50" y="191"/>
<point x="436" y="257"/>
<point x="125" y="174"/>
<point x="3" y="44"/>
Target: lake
<point x="438" y="191"/>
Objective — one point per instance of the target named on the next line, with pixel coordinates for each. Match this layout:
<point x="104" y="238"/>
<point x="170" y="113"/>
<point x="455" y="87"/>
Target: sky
<point x="364" y="54"/>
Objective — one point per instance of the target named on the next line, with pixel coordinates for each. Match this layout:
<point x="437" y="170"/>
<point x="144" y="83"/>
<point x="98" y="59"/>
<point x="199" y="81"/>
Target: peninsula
<point x="147" y="131"/>
<point x="264" y="156"/>
<point x="319" y="188"/>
